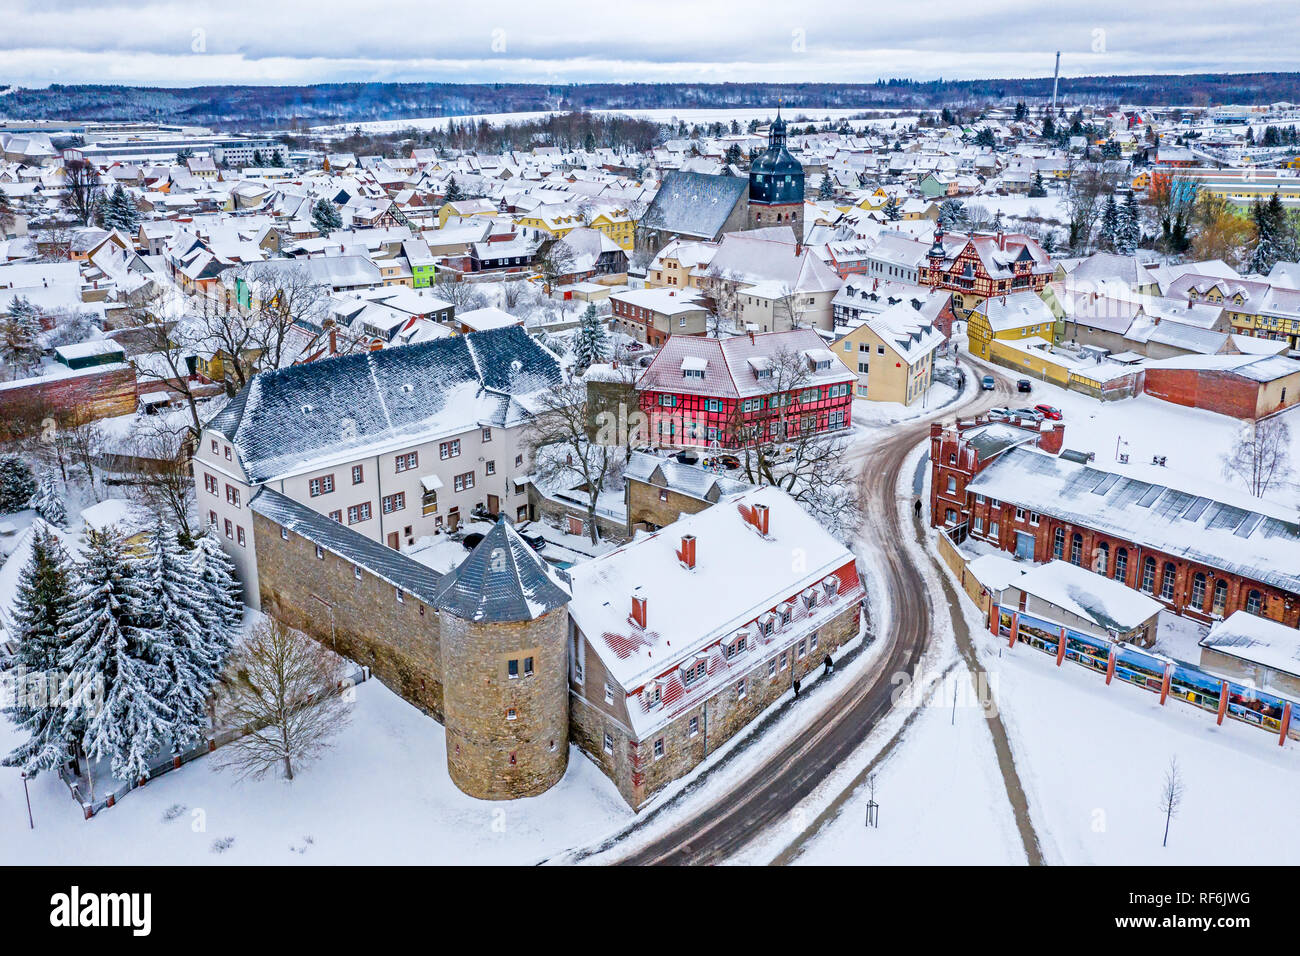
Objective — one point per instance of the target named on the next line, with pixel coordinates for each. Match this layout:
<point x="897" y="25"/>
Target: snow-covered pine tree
<point x="223" y="611"/>
<point x="1129" y="233"/>
<point x="453" y="192"/>
<point x="177" y="614"/>
<point x="591" y="343"/>
<point x="113" y="709"/>
<point x="39" y="609"/>
<point x="1109" y="224"/>
<point x="20" y="334"/>
<point x="16" y="484"/>
<point x="325" y="217"/>
<point x="48" y="501"/>
<point x="1264" y="253"/>
<point x="825" y="191"/>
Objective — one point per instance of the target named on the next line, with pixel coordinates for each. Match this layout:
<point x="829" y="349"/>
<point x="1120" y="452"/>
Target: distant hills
<point x="265" y="107"/>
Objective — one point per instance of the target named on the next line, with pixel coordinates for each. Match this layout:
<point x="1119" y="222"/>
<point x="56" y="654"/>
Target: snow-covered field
<point x="381" y="794"/>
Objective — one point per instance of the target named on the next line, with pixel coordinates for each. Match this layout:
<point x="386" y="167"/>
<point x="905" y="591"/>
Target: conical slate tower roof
<point x="503" y="579"/>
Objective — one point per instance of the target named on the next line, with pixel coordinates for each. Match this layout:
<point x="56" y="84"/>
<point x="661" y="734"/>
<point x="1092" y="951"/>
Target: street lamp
<point x="30" y="822"/>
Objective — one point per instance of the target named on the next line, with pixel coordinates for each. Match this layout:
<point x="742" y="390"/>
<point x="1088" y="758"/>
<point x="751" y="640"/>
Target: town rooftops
<point x="1256" y="640"/>
<point x="685" y="479"/>
<point x="288" y="421"/>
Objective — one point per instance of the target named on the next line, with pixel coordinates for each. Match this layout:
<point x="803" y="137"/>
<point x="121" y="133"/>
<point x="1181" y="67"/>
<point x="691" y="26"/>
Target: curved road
<point x="789" y="774"/>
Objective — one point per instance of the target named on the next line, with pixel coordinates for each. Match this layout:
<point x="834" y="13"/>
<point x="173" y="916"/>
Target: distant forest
<point x="294" y="107"/>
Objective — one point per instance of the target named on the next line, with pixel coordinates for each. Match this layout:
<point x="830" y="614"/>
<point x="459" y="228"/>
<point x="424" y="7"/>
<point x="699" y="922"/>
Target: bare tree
<point x="511" y="293"/>
<point x="779" y="445"/>
<point x="1171" y="796"/>
<point x="83" y="439"/>
<point x="288" y="297"/>
<point x="168" y="343"/>
<point x="555" y="262"/>
<point x="1085" y="192"/>
<point x="281" y="690"/>
<point x="462" y="295"/>
<point x="164" y="484"/>
<point x="83" y="190"/>
<point x="722" y="298"/>
<point x="562" y="452"/>
<point x="1262" y="455"/>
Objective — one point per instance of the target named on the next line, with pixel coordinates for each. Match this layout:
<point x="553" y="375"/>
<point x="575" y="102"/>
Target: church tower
<point x="776" y="184"/>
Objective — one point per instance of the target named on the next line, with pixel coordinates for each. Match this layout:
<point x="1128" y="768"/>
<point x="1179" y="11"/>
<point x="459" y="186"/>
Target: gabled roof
<point x="503" y="579"/>
<point x="694" y="204"/>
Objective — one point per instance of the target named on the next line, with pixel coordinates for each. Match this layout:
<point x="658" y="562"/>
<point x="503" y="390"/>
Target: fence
<point x="1171" y="679"/>
<point x="103" y="799"/>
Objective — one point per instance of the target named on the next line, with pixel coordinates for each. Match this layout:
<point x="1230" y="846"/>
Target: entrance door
<point x="1025" y="545"/>
<point x="494" y="504"/>
<point x="393" y="541"/>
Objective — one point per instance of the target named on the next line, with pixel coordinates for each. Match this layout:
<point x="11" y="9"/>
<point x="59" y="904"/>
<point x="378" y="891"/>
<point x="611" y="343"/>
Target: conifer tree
<point x="1129" y="233"/>
<point x="20" y="334"/>
<point x="39" y="610"/>
<point x="1109" y="224"/>
<point x="591" y="343"/>
<point x="16" y="484"/>
<point x="113" y="709"/>
<point x="223" y="611"/>
<point x="48" y="501"/>
<point x="454" y="193"/>
<point x="325" y="217"/>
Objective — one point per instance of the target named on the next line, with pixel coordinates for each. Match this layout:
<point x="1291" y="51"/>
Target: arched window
<point x="1254" y="602"/>
<point x="1076" y="549"/>
<point x="1149" y="575"/>
<point x="1220" y="603"/>
<point x="1198" y="591"/>
<point x="1121" y="565"/>
<point x="1058" y="544"/>
<point x="1101" y="562"/>
<point x="1167" y="581"/>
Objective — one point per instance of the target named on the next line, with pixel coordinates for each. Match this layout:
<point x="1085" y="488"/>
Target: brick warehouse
<point x="1249" y="387"/>
<point x="1013" y="488"/>
<point x="517" y="658"/>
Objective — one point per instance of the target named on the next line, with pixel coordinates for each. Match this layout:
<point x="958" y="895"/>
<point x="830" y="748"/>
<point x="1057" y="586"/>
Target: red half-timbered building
<point x="701" y="390"/>
<point x="975" y="268"/>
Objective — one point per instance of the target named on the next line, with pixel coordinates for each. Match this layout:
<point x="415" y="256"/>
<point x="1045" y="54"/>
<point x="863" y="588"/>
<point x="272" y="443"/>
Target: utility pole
<point x="1056" y="79"/>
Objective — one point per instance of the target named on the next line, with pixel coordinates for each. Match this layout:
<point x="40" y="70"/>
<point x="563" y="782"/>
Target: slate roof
<point x="503" y="579"/>
<point x="686" y="479"/>
<point x="392" y="566"/>
<point x="290" y="420"/>
<point x="694" y="204"/>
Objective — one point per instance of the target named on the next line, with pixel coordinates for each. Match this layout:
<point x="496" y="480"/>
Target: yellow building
<point x="892" y="354"/>
<point x="466" y="208"/>
<point x="618" y="224"/>
<point x="558" y="221"/>
<point x="1020" y="315"/>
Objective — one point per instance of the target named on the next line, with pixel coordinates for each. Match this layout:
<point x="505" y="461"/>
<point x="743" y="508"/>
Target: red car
<point x="1049" y="412"/>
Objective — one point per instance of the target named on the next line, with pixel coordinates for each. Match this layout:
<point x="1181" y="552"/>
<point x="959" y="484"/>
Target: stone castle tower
<point x="505" y="669"/>
<point x="776" y="184"/>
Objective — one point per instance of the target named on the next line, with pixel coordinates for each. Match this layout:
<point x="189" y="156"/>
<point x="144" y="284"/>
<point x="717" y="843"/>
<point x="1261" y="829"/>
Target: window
<point x="320" y="552"/>
<point x="1167" y="582"/>
<point x="771" y="667"/>
<point x="1058" y="544"/>
<point x="1121" y="565"/>
<point x="320" y="486"/>
<point x="1102" y="559"/>
<point x="227" y="453"/>
<point x="1198" y="590"/>
<point x="408" y="461"/>
<point x="1220" y="603"/>
<point x="232" y="495"/>
<point x="659" y="748"/>
<point x="214" y="446"/>
<point x="359" y="512"/>
<point x="952" y="485"/>
<point x="212" y="517"/>
<point x="528" y="667"/>
<point x="609" y="694"/>
<point x="802" y="649"/>
<point x="693" y="726"/>
<point x="336" y="515"/>
<point x="239" y="533"/>
<point x="487" y="434"/>
<point x="1020" y="514"/>
<point x="209" y="484"/>
<point x="742" y="689"/>
<point x="463" y="482"/>
<point x="490" y="468"/>
<point x="693" y="673"/>
<point x="663" y="494"/>
<point x="1149" y="575"/>
<point x="284" y="533"/>
<point x="993" y="529"/>
<point x="1254" y="602"/>
<point x="230" y="528"/>
<point x="356" y="571"/>
<point x="511" y="714"/>
<point x="1035" y="517"/>
<point x="812" y="641"/>
<point x="512" y="669"/>
<point x="977" y="524"/>
<point x="397" y="593"/>
<point x="609" y="744"/>
<point x="783" y="660"/>
<point x="358" y="474"/>
<point x="449" y="449"/>
<point x="1076" y="549"/>
<point x="519" y="460"/>
<point x="394" y="502"/>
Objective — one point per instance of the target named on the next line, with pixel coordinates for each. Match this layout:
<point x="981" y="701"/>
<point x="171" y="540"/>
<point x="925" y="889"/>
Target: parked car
<point x="1024" y="385"/>
<point x="688" y="457"/>
<point x="727" y="461"/>
<point x="999" y="412"/>
<point x="1030" y="413"/>
<point x="987" y="383"/>
<point x="1049" y="412"/>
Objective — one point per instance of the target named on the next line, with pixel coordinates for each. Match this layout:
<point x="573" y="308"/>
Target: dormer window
<point x="810" y="598"/>
<point x="693" y="672"/>
<point x="739" y="641"/>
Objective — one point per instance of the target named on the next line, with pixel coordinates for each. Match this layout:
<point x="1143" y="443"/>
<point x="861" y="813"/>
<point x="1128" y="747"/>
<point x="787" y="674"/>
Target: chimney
<point x="687" y="554"/>
<point x="1050" y="440"/>
<point x="751" y="338"/>
<point x="638" y="611"/>
<point x="761" y="518"/>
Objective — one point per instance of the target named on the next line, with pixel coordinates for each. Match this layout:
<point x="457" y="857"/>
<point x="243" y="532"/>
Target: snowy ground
<point x="380" y="795"/>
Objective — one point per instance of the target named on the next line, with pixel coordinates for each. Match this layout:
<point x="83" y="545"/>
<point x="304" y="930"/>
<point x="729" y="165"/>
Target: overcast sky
<point x="166" y="43"/>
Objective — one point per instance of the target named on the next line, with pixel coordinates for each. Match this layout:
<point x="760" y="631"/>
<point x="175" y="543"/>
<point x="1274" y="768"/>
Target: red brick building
<point x="699" y="390"/>
<point x="1243" y="386"/>
<point x="1013" y="488"/>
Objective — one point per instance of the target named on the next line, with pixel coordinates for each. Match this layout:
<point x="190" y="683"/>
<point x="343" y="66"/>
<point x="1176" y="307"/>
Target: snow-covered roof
<point x="1258" y="640"/>
<point x="1094" y="597"/>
